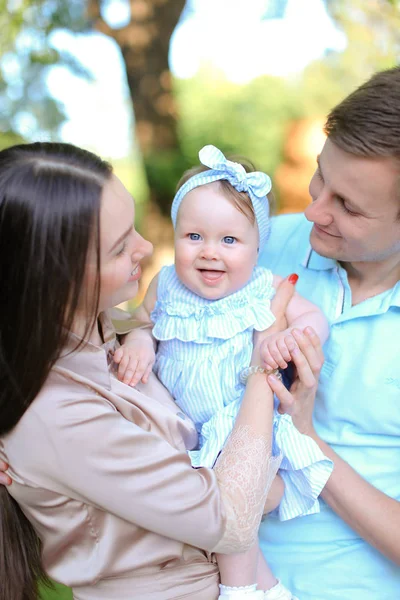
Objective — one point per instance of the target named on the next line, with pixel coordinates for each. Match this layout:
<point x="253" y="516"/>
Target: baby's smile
<point x="211" y="276"/>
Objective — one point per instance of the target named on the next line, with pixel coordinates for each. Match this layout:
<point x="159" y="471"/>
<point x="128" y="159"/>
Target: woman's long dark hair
<point x="49" y="221"/>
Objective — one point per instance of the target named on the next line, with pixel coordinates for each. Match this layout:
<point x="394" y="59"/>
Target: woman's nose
<point x="142" y="247"/>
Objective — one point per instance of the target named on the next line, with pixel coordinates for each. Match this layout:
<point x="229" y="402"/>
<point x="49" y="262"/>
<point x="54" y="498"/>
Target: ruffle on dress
<point x="304" y="469"/>
<point x="213" y="435"/>
<point x="180" y="314"/>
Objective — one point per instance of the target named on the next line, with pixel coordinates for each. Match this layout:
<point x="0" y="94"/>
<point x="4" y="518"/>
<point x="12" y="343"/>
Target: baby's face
<point x="215" y="244"/>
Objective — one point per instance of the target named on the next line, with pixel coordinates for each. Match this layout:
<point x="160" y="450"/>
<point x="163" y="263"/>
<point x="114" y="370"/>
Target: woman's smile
<point x="136" y="273"/>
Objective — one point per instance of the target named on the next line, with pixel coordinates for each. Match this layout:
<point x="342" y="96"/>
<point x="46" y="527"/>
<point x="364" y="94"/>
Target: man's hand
<point x="306" y="354"/>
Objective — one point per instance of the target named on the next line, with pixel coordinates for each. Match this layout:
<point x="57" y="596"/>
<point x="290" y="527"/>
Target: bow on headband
<point x="256" y="185"/>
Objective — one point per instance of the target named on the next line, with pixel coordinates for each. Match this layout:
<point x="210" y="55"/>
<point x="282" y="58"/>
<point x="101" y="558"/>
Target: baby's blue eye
<point x="194" y="236"/>
<point x="228" y="239"/>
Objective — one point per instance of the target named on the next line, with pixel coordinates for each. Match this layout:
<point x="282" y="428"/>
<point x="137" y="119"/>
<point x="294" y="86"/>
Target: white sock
<point x="232" y="592"/>
<point x="273" y="586"/>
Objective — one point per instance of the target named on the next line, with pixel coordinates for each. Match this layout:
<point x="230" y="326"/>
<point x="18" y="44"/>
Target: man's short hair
<point x="367" y="122"/>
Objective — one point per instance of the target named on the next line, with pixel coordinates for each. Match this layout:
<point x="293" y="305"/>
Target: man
<point x="346" y="252"/>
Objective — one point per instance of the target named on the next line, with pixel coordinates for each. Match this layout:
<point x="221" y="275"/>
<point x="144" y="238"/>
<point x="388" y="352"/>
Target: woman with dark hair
<point x="100" y="473"/>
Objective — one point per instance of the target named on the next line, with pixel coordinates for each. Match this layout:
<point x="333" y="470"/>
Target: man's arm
<point x="374" y="515"/>
<point x="371" y="513"/>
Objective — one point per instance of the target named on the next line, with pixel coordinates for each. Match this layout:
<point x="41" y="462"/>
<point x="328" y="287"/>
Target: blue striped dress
<point x="203" y="345"/>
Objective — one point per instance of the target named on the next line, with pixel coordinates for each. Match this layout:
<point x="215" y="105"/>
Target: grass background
<point x="59" y="592"/>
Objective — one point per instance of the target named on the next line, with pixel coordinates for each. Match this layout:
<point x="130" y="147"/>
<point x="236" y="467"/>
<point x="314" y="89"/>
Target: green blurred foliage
<point x="26" y="55"/>
<point x="250" y="120"/>
<point x="163" y="170"/>
<point x="130" y="171"/>
<point x="373" y="32"/>
<point x="253" y="119"/>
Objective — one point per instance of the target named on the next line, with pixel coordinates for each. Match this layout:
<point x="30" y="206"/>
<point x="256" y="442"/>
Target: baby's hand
<point x="275" y="349"/>
<point x="135" y="359"/>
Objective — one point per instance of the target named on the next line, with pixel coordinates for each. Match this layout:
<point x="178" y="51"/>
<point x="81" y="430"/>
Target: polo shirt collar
<point x="312" y="260"/>
<point x="395" y="296"/>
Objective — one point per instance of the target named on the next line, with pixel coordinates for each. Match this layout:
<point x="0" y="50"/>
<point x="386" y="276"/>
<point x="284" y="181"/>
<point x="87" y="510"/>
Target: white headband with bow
<point x="256" y="185"/>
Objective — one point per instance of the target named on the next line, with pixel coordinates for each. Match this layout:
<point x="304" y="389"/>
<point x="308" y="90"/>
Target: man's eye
<point x="344" y="207"/>
<point x="229" y="239"/>
<point x="194" y="236"/>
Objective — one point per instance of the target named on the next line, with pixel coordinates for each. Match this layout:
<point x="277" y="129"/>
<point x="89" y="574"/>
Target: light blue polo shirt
<point x="357" y="412"/>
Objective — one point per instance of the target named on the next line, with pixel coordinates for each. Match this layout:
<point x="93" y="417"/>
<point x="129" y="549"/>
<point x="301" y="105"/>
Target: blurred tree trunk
<point x="144" y="43"/>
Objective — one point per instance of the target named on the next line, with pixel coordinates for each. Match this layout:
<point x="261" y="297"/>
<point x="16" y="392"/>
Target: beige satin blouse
<point x="101" y="471"/>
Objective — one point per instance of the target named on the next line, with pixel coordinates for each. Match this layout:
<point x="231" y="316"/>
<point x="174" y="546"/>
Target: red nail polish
<point x="293" y="278"/>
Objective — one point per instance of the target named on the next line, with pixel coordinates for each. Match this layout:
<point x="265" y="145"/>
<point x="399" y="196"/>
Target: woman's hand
<point x="4" y="478"/>
<point x="279" y="304"/>
<point x="298" y="402"/>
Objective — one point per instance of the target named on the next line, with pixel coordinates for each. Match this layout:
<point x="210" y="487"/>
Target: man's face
<point x="355" y="208"/>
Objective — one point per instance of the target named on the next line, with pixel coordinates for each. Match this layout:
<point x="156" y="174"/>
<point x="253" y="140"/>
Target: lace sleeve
<point x="245" y="470"/>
